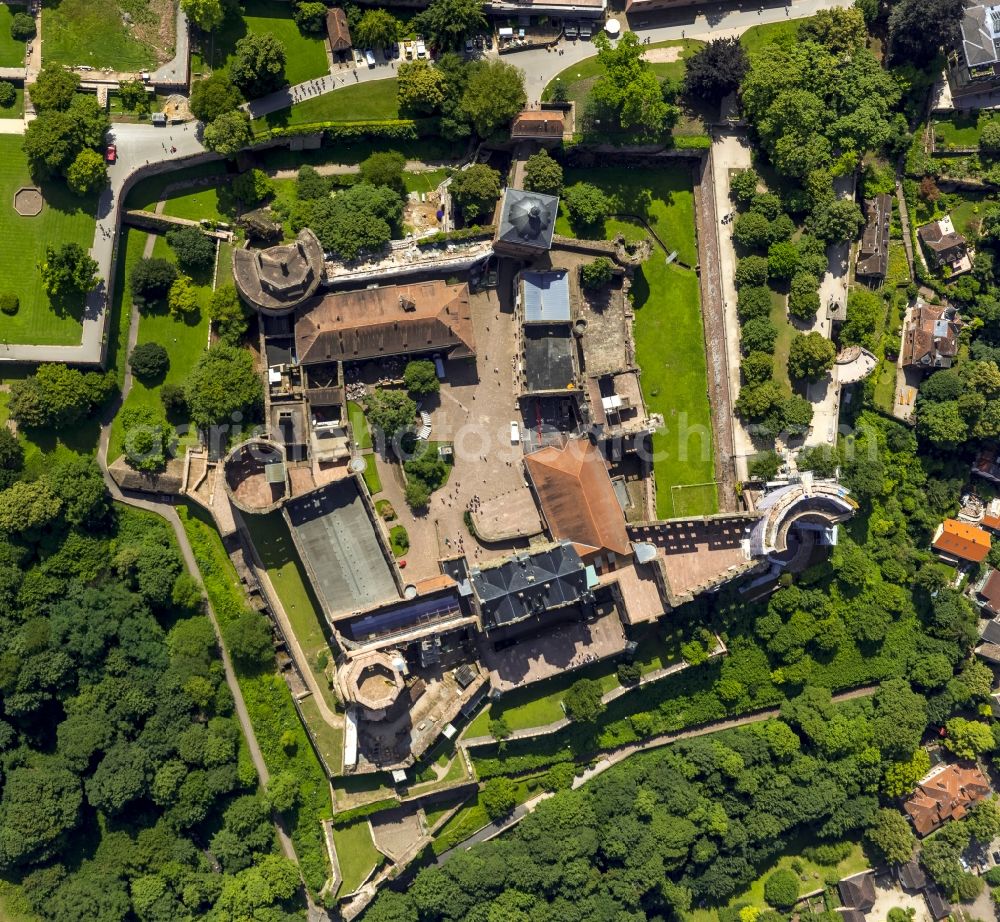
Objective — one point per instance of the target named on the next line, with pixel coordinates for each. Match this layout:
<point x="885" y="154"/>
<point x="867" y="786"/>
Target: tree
<point x="359" y="219"/>
<point x="133" y="96"/>
<point x="582" y="701"/>
<point x="195" y="251"/>
<point x="420" y="86"/>
<point x="752" y="230"/>
<point x="900" y="778"/>
<point x="228" y="313"/>
<point x="716" y="69"/>
<point x="248" y="639"/>
<point x="28" y="506"/>
<point x="941" y="424"/>
<point x="758" y="335"/>
<point x="587" y="205"/>
<point x="782" y="259"/>
<point x="753" y="301"/>
<point x="597" y="274"/>
<point x="420" y="377"/>
<point x="258" y="66"/>
<point x="8" y="94"/>
<point x="757" y="367"/>
<point x="40" y="804"/>
<point x="54" y="88"/>
<point x="499" y="728"/>
<point x="146" y="438"/>
<point x="283" y="793"/>
<point x="803" y="299"/>
<point x="475" y="191"/>
<point x="390" y="412"/>
<point x="149" y="361"/>
<point x="183" y="297"/>
<point x="310" y="16"/>
<point x="22" y="27"/>
<point x="228" y="133"/>
<point x="68" y="271"/>
<point x="968" y="738"/>
<point x="781" y="889"/>
<point x="252" y="186"/>
<point x="810" y="356"/>
<point x="9" y="303"/>
<point x="743" y="185"/>
<point x="223" y="383"/>
<point x="448" y="23"/>
<point x="309" y="184"/>
<point x="214" y="95"/>
<point x="757" y="400"/>
<point x="87" y="173"/>
<point x="765" y="466"/>
<point x="751" y="270"/>
<point x="543" y="174"/>
<point x="151" y="278"/>
<point x="891" y="835"/>
<point x="11" y="458"/>
<point x="173" y="399"/>
<point x="498" y="797"/>
<point x="417" y="494"/>
<point x="627" y="94"/>
<point x="377" y="29"/>
<point x="840" y="220"/>
<point x="918" y="28"/>
<point x="207" y="15"/>
<point x="493" y="95"/>
<point x="384" y="168"/>
<point x="57" y="396"/>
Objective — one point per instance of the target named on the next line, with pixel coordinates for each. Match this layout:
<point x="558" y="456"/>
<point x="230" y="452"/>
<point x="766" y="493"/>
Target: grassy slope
<point x="91" y="32"/>
<point x="184" y="339"/>
<point x="356" y="853"/>
<point x="269" y="703"/>
<point x="305" y="55"/>
<point x="670" y="342"/>
<point x="360" y="102"/>
<point x="65" y="218"/>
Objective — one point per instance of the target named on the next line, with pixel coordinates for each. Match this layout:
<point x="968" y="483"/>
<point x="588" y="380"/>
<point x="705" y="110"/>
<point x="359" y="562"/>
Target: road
<point x="624" y="752"/>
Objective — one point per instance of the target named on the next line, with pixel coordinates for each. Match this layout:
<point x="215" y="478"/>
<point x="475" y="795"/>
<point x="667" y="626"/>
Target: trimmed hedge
<point x="693" y="142"/>
<point x="399" y="129"/>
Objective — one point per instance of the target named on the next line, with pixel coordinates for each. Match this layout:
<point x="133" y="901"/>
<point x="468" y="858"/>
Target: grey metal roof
<point x="528" y="218"/>
<point x="546" y="296"/>
<point x="977" y="35"/>
<point x="530" y="584"/>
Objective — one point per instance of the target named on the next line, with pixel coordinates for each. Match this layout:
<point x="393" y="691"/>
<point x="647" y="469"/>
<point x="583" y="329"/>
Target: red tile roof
<point x="962" y="540"/>
<point x="945" y="794"/>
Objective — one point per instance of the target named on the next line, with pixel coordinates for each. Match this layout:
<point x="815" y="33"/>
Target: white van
<point x="370" y="58"/>
<point x="515" y="433"/>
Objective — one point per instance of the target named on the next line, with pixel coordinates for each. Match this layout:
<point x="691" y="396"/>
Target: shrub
<point x="498" y="797"/>
<point x="781" y="889"/>
<point x="148" y="361"/>
<point x="989" y="137"/>
<point x="751" y="270"/>
<point x="629" y="673"/>
<point x="8" y="95"/>
<point x="22" y="27"/>
<point x="743" y="186"/>
<point x="597" y="274"/>
<point x="758" y="335"/>
<point x="173" y="399"/>
<point x="765" y="465"/>
<point x="420" y="377"/>
<point x="753" y="301"/>
<point x="583" y="701"/>
<point x="9" y="303"/>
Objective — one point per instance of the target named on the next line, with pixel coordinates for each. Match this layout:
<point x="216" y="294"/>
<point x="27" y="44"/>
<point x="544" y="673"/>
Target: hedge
<point x="399" y="129"/>
<point x="464" y="233"/>
<point x="355" y="813"/>
<point x="693" y="142"/>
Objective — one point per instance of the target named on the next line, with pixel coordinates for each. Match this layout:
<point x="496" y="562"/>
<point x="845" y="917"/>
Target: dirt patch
<point x="157" y="29"/>
<point x="663" y="55"/>
<point x="420" y="216"/>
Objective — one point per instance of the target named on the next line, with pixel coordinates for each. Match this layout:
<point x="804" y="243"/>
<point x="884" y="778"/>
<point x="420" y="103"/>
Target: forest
<point x="127" y="789"/>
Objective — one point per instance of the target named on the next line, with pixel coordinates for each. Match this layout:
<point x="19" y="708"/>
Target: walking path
<point x="622" y="753"/>
<point x="320" y="86"/>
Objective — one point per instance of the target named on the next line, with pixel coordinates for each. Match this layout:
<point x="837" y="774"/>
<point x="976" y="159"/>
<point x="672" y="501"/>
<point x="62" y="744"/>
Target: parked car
<point x="370" y="57"/>
<point x="469" y="47"/>
<point x="111" y="155"/>
<point x="584" y="30"/>
<point x="515" y="433"/>
<point x="571" y="31"/>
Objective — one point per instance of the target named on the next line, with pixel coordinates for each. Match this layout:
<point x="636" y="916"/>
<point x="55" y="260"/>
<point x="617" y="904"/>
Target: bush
<point x="743" y="186"/>
<point x="9" y="303"/>
<point x="583" y="701"/>
<point x="597" y="274"/>
<point x="149" y="361"/>
<point x="498" y="797"/>
<point x="781" y="889"/>
<point x="629" y="673"/>
<point x="753" y="301"/>
<point x="22" y="27"/>
<point x="765" y="465"/>
<point x="8" y="94"/>
<point x="420" y="377"/>
<point x="173" y="399"/>
<point x="194" y="250"/>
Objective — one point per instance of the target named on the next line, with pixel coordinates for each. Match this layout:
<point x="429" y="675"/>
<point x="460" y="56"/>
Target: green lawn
<point x="184" y="339"/>
<point x="962" y="129"/>
<point x="356" y="854"/>
<point x="278" y="555"/>
<point x="211" y="202"/>
<point x="757" y="36"/>
<point x="782" y="345"/>
<point x="885" y="386"/>
<point x="424" y="181"/>
<point x="472" y="817"/>
<point x="361" y="102"/>
<point x="147" y="192"/>
<point x="329" y="740"/>
<point x="670" y="341"/>
<point x="93" y="32"/>
<point x="399" y="540"/>
<point x="372" y="479"/>
<point x="11" y="50"/>
<point x="305" y="55"/>
<point x="359" y="425"/>
<point x="16" y="110"/>
<point x="65" y="218"/>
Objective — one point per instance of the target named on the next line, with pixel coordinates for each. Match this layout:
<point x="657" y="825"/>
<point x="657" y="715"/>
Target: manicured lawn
<point x="372" y="479"/>
<point x="65" y="218"/>
<point x="399" y="540"/>
<point x="426" y="149"/>
<point x="278" y="555"/>
<point x="16" y="110"/>
<point x="93" y="32"/>
<point x="211" y="202"/>
<point x="359" y="425"/>
<point x="966" y="216"/>
<point x="885" y="385"/>
<point x="356" y="854"/>
<point x="358" y="103"/>
<point x="147" y="192"/>
<point x="305" y="55"/>
<point x="670" y="341"/>
<point x="184" y="339"/>
<point x="782" y="345"/>
<point x="962" y="129"/>
<point x="424" y="181"/>
<point x="757" y="36"/>
<point x="810" y="879"/>
<point x="11" y="50"/>
<point x="329" y="740"/>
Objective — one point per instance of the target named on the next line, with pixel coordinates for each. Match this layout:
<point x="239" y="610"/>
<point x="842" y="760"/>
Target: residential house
<point x="858" y="891"/>
<point x="988" y="595"/>
<point x="974" y="66"/>
<point x="873" y="252"/>
<point x="547" y="126"/>
<point x="946" y="248"/>
<point x="945" y="793"/>
<point x="338" y="32"/>
<point x="961" y="542"/>
<point x="939" y="907"/>
<point x="930" y="337"/>
<point x="911" y="876"/>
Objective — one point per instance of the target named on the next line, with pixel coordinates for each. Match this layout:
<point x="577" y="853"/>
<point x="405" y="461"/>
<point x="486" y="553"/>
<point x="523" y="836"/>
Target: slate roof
<point x="391" y="320"/>
<point x="977" y="36"/>
<point x="945" y="245"/>
<point x="873" y="252"/>
<point x="280" y="277"/>
<point x="577" y="497"/>
<point x="989" y="593"/>
<point x="529" y="584"/>
<point x="858" y="891"/>
<point x="912" y="876"/>
<point x="528" y="219"/>
<point x="940" y="908"/>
